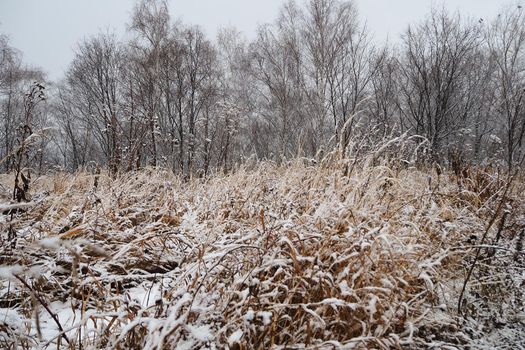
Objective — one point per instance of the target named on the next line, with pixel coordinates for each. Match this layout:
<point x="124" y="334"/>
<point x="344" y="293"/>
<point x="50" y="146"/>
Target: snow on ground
<point x="289" y="256"/>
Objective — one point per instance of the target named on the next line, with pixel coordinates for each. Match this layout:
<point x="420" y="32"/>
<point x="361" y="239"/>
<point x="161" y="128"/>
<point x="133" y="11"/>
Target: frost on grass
<point x="283" y="257"/>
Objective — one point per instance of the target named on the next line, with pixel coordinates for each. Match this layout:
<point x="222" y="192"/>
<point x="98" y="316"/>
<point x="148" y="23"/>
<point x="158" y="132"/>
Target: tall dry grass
<point x="346" y="253"/>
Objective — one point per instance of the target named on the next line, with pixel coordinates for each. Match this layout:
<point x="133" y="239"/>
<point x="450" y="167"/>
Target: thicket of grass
<point x="354" y="254"/>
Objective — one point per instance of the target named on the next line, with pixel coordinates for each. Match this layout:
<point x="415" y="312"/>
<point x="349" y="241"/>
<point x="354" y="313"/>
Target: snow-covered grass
<point x="290" y="256"/>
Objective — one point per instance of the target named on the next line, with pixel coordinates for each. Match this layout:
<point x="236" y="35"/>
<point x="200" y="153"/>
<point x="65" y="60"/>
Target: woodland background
<point x="312" y="79"/>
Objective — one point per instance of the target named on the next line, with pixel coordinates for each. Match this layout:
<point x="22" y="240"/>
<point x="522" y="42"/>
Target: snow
<point x="8" y="272"/>
<point x="144" y="296"/>
<point x="249" y="316"/>
<point x="235" y="337"/>
<point x="494" y="139"/>
<point x="11" y="317"/>
<point x="50" y="243"/>
<point x="266" y="317"/>
<point x="201" y="333"/>
<point x="269" y="254"/>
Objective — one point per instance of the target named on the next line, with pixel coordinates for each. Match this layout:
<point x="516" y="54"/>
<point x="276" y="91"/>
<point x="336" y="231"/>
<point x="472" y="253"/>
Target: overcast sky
<point x="47" y="31"/>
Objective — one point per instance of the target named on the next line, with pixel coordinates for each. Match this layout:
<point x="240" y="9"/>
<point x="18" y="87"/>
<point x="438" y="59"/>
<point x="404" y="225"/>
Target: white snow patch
<point x="201" y="333"/>
<point x="249" y="315"/>
<point x="235" y="337"/>
<point x="7" y="272"/>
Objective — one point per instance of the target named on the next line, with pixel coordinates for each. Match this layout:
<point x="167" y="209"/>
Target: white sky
<point x="47" y="31"/>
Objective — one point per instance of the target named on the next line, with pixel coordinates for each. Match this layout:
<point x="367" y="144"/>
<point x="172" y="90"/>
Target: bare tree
<point x="506" y="42"/>
<point x="340" y="54"/>
<point x="382" y="108"/>
<point x="276" y="70"/>
<point x="435" y="65"/>
<point x="74" y="140"/>
<point x="15" y="78"/>
<point x="199" y="60"/>
<point x="315" y="65"/>
<point x="94" y="83"/>
<point x="151" y="22"/>
<point x="237" y="92"/>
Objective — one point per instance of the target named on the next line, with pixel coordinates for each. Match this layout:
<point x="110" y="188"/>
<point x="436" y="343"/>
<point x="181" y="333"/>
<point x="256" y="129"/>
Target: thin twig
<point x="44" y="304"/>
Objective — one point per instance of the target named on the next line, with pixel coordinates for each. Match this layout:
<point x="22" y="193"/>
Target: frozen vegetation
<point x="325" y="255"/>
<point x="305" y="189"/>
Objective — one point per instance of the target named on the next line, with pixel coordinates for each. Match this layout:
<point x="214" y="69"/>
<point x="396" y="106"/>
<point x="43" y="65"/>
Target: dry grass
<point x="291" y="256"/>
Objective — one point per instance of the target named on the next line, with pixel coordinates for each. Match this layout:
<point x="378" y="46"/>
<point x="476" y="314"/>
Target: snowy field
<point x="293" y="256"/>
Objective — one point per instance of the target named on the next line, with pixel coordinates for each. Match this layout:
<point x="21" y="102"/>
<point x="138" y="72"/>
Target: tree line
<point x="311" y="80"/>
